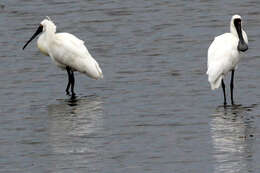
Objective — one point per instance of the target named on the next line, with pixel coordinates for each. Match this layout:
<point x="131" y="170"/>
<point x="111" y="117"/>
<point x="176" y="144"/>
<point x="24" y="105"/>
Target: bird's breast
<point x="42" y="49"/>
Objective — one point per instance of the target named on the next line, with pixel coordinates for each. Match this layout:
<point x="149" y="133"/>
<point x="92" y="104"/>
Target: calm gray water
<point x="154" y="110"/>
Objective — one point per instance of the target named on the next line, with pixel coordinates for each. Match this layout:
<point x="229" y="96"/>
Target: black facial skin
<point x="39" y="30"/>
<point x="242" y="46"/>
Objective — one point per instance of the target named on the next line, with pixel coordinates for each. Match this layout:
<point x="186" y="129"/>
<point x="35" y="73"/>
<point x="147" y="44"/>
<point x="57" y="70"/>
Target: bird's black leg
<point x="232" y="86"/>
<point x="68" y="85"/>
<point x="224" y="91"/>
<point x="72" y="80"/>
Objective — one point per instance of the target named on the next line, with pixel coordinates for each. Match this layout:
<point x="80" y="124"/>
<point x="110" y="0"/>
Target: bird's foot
<point x="73" y="95"/>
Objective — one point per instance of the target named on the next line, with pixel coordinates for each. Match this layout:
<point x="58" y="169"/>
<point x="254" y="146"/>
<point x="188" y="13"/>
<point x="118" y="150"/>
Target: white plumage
<point x="225" y="52"/>
<point x="66" y="51"/>
<point x="223" y="55"/>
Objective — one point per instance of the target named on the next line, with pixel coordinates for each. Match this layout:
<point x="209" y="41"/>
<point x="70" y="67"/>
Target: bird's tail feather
<point x="214" y="78"/>
<point x="100" y="74"/>
<point x="216" y="84"/>
<point x="92" y="69"/>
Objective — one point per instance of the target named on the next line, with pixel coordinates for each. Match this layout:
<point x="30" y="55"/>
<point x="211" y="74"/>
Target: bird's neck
<point x="49" y="34"/>
<point x="44" y="41"/>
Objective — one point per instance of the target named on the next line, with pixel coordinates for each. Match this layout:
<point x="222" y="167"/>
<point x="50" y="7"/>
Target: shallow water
<point x="154" y="110"/>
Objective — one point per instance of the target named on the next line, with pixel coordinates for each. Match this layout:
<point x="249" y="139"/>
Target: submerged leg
<point x="224" y="91"/>
<point x="232" y="86"/>
<point x="68" y="85"/>
<point x="72" y="80"/>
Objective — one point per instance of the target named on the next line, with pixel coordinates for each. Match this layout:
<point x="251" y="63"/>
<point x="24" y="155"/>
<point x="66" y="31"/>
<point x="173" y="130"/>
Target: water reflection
<point x="72" y="123"/>
<point x="232" y="132"/>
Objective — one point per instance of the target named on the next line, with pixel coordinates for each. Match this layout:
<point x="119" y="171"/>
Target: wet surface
<point x="153" y="111"/>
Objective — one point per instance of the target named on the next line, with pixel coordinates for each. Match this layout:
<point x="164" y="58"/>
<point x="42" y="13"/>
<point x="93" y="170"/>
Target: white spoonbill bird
<point x="67" y="52"/>
<point x="224" y="54"/>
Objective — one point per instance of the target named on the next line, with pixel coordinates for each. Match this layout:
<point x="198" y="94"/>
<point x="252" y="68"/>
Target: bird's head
<point x="45" y="26"/>
<point x="236" y="29"/>
<point x="48" y="25"/>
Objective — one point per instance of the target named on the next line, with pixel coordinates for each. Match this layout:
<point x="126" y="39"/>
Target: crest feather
<point x="47" y="17"/>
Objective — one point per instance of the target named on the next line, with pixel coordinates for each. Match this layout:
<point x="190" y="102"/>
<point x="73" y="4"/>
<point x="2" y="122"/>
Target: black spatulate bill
<point x="38" y="31"/>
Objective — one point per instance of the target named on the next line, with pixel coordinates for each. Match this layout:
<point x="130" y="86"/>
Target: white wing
<point x="70" y="51"/>
<point x="223" y="56"/>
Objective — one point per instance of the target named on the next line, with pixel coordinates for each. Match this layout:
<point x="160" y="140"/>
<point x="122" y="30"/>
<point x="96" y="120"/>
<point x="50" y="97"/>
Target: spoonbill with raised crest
<point x="67" y="52"/>
<point x="224" y="54"/>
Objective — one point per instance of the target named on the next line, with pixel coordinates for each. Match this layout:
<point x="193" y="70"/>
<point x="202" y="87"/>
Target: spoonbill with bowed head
<point x="67" y="52"/>
<point x="224" y="54"/>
